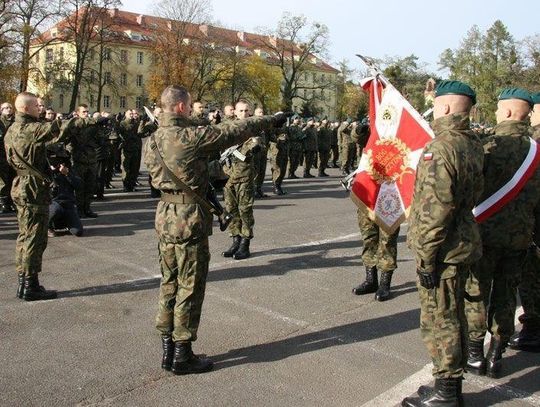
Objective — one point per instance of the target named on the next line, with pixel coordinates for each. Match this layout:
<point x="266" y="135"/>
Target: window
<point x="61" y="101"/>
<point x="123" y="56"/>
<point x="107" y="54"/>
<point x="61" y="53"/>
<point x="122" y="102"/>
<point x="123" y="79"/>
<point x="91" y="101"/>
<point x="49" y="56"/>
<point x="139" y="57"/>
<point x="107" y="78"/>
<point x="92" y="76"/>
<point x="139" y="80"/>
<point x="138" y="102"/>
<point x="323" y="77"/>
<point x="106" y="101"/>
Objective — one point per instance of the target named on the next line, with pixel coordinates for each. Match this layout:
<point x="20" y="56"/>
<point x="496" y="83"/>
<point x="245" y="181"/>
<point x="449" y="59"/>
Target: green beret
<point x="516" y="93"/>
<point x="455" y="88"/>
<point x="536" y="98"/>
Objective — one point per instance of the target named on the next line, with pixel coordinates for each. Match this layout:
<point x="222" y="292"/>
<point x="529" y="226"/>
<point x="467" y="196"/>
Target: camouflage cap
<point x="455" y="88"/>
<point x="516" y="93"/>
<point x="536" y="98"/>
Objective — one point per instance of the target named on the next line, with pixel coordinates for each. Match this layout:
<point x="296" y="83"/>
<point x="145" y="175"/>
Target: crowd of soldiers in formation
<point x="91" y="158"/>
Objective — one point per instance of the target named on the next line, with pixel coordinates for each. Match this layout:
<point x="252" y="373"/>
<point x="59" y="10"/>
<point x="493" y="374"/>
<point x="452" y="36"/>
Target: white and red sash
<point x="511" y="189"/>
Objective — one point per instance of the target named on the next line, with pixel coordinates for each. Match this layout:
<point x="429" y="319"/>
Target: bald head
<point x="175" y="98"/>
<point x="228" y="111"/>
<point x="258" y="112"/>
<point x="512" y="109"/>
<point x="27" y="103"/>
<point x="446" y="105"/>
<point x="241" y="109"/>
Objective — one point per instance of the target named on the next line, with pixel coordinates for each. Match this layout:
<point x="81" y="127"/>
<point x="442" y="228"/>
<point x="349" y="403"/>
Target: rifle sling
<point x="31" y="170"/>
<point x="196" y="198"/>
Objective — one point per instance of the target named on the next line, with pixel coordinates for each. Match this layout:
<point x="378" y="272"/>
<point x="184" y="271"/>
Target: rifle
<point x="226" y="156"/>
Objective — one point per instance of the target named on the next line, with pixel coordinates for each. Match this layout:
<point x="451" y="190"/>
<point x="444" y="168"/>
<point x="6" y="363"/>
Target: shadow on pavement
<point x="137" y="285"/>
<point x="342" y="335"/>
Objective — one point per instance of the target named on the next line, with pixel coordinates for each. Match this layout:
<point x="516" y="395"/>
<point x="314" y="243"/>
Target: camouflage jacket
<point x="244" y="171"/>
<point x="310" y="142"/>
<point x="5" y="123"/>
<point x="324" y="137"/>
<point x="535" y="132"/>
<point x="448" y="184"/>
<point x="185" y="149"/>
<point x="344" y="134"/>
<point x="28" y="138"/>
<point x="128" y="131"/>
<point x="512" y="227"/>
<point x="360" y="134"/>
<point x="296" y="137"/>
<point x="83" y="140"/>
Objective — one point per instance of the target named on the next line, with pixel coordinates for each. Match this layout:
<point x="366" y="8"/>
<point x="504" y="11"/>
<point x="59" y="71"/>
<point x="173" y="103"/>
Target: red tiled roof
<point x="122" y="21"/>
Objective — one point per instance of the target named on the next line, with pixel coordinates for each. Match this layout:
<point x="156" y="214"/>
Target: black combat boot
<point x="186" y="362"/>
<point x="476" y="362"/>
<point x="494" y="356"/>
<point x="168" y="352"/>
<point x="528" y="339"/>
<point x="322" y="173"/>
<point x="447" y="392"/>
<point x="89" y="213"/>
<point x="307" y="174"/>
<point x="278" y="190"/>
<point x="383" y="292"/>
<point x="234" y="247"/>
<point x="259" y="193"/>
<point x="20" y="286"/>
<point x="32" y="291"/>
<point x="243" y="250"/>
<point x="6" y="206"/>
<point x="292" y="176"/>
<point x="371" y="283"/>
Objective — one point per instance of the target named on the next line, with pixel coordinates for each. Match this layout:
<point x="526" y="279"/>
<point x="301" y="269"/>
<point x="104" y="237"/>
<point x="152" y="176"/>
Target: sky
<point x="379" y="29"/>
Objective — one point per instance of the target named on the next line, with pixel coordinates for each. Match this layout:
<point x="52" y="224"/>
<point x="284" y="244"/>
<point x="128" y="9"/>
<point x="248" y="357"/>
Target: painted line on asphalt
<point x="409" y="386"/>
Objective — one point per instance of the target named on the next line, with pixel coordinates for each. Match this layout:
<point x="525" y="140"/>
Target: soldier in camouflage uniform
<point x="261" y="159"/>
<point x="324" y="138"/>
<point x="528" y="339"/>
<point x="334" y="147"/>
<point x="310" y="147"/>
<point x="82" y="145"/>
<point x="182" y="225"/>
<point x="506" y="235"/>
<point x="279" y="155"/>
<point x="239" y="191"/>
<point x="347" y="146"/>
<point x="296" y="137"/>
<point x="445" y="238"/>
<point x="128" y="131"/>
<point x="26" y="152"/>
<point x="7" y="174"/>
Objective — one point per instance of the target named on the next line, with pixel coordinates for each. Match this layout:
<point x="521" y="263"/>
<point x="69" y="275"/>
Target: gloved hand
<point x="280" y="118"/>
<point x="119" y="117"/>
<point x="103" y="120"/>
<point x="428" y="279"/>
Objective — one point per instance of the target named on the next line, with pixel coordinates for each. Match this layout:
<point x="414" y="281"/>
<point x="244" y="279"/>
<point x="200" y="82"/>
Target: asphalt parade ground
<point x="282" y="327"/>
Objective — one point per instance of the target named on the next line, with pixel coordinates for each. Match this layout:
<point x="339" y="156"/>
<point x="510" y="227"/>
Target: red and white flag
<point x="384" y="181"/>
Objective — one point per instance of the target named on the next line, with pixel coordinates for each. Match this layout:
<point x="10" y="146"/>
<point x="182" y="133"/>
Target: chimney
<point x="204" y="29"/>
<point x="140" y="19"/>
<point x="113" y="12"/>
<point x="241" y="36"/>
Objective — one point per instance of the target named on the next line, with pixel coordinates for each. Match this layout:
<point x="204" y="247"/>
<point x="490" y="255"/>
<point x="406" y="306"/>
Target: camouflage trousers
<point x="184" y="268"/>
<point x="347" y="153"/>
<point x="261" y="159"/>
<point x="87" y="188"/>
<point x="239" y="199"/>
<point x="310" y="159"/>
<point x="491" y="289"/>
<point x="130" y="168"/>
<point x="443" y="325"/>
<point x="380" y="248"/>
<point x="32" y="239"/>
<point x="529" y="290"/>
<point x="324" y="156"/>
<point x="279" y="165"/>
<point x="295" y="155"/>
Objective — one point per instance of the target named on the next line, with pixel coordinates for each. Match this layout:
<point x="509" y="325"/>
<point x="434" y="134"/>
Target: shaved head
<point x="258" y="112"/>
<point x="242" y="109"/>
<point x="512" y="109"/>
<point x="173" y="96"/>
<point x="228" y="110"/>
<point x="450" y="104"/>
<point x="27" y="103"/>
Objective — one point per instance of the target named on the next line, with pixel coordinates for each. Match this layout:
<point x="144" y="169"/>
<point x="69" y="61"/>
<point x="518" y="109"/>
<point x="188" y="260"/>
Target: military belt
<point x="177" y="199"/>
